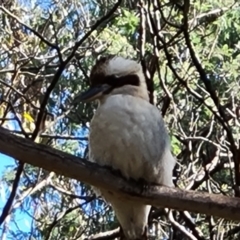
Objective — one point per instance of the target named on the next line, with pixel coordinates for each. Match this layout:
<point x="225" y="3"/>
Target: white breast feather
<point x="128" y="134"/>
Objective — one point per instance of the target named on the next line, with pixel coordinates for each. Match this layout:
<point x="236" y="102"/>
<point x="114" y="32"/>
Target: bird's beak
<point x="93" y="93"/>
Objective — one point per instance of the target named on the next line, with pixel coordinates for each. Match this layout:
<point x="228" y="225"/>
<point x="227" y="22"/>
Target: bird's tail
<point x="143" y="237"/>
<point x="133" y="218"/>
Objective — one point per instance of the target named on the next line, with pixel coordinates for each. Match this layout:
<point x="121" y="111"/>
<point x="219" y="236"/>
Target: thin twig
<point x="64" y="64"/>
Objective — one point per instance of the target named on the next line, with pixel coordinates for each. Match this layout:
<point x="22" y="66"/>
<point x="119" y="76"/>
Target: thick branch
<point x="73" y="167"/>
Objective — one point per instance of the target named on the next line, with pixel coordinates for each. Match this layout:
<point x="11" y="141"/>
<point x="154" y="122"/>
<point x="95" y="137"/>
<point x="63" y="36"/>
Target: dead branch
<point x="74" y="167"/>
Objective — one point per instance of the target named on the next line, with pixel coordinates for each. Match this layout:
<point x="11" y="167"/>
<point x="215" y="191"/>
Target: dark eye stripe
<point x="116" y="82"/>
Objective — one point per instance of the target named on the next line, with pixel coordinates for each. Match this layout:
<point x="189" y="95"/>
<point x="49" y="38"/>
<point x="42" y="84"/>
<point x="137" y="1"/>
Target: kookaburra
<point x="128" y="134"/>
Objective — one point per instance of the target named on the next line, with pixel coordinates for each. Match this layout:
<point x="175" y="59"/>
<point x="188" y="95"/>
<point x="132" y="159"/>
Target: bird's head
<point x="115" y="75"/>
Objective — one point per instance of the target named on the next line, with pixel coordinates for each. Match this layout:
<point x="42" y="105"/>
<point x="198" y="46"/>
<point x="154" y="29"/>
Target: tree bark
<point x="77" y="168"/>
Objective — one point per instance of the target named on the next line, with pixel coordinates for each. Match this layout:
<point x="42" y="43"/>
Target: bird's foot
<point x="145" y="186"/>
<point x="114" y="171"/>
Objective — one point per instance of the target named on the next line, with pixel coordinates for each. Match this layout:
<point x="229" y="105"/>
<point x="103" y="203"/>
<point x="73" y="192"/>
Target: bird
<point x="128" y="134"/>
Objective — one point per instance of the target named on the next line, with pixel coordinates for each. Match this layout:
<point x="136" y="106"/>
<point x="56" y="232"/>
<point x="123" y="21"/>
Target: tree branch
<point x="10" y="200"/>
<point x="208" y="85"/>
<point x="29" y="28"/>
<point x="112" y="234"/>
<point x="74" y="167"/>
<point x="65" y="63"/>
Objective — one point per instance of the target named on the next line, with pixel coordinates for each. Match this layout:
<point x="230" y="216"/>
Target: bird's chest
<point x="117" y="139"/>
